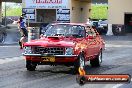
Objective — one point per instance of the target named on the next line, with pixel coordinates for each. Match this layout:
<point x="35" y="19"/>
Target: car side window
<point x="78" y="31"/>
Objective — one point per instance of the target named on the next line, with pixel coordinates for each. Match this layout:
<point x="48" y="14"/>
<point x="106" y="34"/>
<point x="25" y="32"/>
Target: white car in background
<point x="103" y="23"/>
<point x="101" y="26"/>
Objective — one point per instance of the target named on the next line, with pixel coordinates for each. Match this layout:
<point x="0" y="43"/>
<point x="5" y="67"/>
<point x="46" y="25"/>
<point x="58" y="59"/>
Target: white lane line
<point x="10" y="46"/>
<point x="119" y="85"/>
<point x="6" y="60"/>
<point x="112" y="45"/>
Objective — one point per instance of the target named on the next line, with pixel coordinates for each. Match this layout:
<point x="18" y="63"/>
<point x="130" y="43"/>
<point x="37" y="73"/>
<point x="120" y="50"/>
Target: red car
<point x="70" y="44"/>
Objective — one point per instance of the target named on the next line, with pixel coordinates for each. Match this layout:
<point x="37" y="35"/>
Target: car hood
<point x="52" y="41"/>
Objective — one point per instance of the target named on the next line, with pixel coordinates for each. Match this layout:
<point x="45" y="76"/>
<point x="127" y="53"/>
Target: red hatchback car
<point x="69" y="44"/>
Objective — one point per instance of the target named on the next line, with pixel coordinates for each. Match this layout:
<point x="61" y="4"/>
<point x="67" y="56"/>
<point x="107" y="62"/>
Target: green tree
<point x="12" y="9"/>
<point x="99" y="11"/>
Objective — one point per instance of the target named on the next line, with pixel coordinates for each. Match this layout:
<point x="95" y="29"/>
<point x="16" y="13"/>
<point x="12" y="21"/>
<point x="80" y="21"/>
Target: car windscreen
<point x="65" y="30"/>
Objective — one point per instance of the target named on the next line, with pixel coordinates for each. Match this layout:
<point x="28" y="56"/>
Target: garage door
<point x="128" y="22"/>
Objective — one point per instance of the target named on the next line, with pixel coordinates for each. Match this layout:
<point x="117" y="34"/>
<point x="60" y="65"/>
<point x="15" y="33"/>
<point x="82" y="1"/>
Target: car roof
<point x="79" y="24"/>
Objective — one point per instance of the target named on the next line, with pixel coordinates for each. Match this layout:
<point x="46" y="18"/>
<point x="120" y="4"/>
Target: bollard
<point x="109" y="32"/>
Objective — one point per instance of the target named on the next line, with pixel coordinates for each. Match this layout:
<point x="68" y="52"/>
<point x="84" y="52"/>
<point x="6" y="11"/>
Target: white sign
<point x="63" y="15"/>
<point x="30" y="16"/>
<point x="46" y="4"/>
<point x="29" y="11"/>
<point x="63" y="11"/>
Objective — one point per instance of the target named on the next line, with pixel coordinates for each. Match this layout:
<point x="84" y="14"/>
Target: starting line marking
<point x="112" y="45"/>
<point x="6" y="60"/>
<point x="10" y="46"/>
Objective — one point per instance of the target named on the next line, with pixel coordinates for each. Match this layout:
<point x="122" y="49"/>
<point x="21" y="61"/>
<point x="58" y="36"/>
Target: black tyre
<point x="96" y="62"/>
<point x="2" y="38"/>
<point x="80" y="63"/>
<point x="104" y="31"/>
<point x="30" y="66"/>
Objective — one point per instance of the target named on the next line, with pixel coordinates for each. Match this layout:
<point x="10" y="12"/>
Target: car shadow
<point x="64" y="72"/>
<point x="100" y="70"/>
<point x="71" y="70"/>
<point x="58" y="69"/>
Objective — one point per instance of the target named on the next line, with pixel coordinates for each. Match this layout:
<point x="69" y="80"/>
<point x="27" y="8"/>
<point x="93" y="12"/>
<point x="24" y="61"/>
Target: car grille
<point x="49" y="50"/>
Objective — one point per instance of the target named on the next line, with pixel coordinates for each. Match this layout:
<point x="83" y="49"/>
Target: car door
<point x="96" y="42"/>
<point x="92" y="42"/>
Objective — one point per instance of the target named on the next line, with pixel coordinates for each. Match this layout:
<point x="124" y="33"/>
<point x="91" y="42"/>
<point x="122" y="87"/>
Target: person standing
<point x="23" y="31"/>
<point x="89" y="22"/>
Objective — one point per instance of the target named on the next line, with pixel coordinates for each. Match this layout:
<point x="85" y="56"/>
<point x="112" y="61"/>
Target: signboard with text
<point x="30" y="13"/>
<point x="28" y="10"/>
<point x="46" y="4"/>
<point x="63" y="15"/>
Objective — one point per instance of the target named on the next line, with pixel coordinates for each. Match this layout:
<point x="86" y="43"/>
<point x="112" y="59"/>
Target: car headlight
<point x="27" y="50"/>
<point x="69" y="51"/>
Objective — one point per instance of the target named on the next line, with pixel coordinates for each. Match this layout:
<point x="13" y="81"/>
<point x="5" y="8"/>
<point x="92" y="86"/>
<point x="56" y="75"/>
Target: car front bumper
<point x="58" y="59"/>
<point x="42" y="55"/>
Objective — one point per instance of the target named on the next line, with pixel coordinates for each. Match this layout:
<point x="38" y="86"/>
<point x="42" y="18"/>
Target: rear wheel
<point x="96" y="62"/>
<point x="80" y="63"/>
<point x="30" y="65"/>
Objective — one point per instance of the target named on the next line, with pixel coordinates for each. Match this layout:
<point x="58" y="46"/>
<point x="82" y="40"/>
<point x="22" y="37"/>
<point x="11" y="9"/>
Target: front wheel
<point x="80" y="63"/>
<point x="30" y="65"/>
<point x="96" y="62"/>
